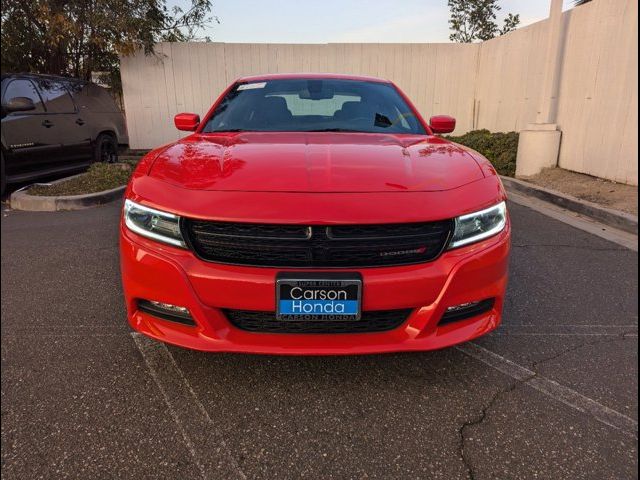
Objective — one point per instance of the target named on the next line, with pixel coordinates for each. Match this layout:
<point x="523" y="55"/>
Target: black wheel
<point x="106" y="149"/>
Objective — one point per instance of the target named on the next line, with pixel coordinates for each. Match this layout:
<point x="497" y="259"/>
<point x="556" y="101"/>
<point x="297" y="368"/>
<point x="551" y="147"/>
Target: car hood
<point x="315" y="162"/>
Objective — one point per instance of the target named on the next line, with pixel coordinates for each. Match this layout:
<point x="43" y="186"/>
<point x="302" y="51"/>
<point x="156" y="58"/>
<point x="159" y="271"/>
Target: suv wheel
<point x="106" y="149"/>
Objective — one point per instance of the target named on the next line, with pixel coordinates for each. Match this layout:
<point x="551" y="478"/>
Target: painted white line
<point x="204" y="441"/>
<point x="553" y="389"/>
<point x="626" y="239"/>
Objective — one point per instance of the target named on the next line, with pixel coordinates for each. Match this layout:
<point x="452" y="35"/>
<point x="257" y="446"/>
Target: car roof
<point x="303" y="76"/>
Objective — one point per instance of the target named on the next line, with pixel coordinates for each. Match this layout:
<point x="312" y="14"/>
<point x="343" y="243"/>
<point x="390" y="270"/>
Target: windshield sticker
<point x="250" y="86"/>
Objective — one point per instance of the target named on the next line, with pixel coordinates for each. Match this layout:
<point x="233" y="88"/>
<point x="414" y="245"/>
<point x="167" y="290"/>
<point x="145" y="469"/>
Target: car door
<point x="73" y="131"/>
<point x="28" y="135"/>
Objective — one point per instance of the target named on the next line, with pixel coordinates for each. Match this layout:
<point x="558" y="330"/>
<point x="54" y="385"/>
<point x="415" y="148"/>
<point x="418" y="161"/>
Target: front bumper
<point x="154" y="271"/>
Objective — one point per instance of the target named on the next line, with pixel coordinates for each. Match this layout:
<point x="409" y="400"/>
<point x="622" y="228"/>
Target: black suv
<point x="55" y="124"/>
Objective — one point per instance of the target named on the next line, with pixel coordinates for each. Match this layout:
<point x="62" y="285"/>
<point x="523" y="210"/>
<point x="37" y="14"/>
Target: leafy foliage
<point x="499" y="148"/>
<point x="78" y="37"/>
<point x="476" y="20"/>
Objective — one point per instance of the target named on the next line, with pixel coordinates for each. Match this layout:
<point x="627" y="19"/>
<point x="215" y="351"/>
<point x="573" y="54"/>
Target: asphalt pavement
<point x="552" y="394"/>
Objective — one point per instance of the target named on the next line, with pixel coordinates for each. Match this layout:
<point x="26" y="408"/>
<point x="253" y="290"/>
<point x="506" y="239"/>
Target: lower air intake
<point x="266" y="322"/>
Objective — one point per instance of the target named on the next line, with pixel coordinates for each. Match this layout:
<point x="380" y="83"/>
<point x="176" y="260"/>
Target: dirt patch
<point x="99" y="177"/>
<point x="603" y="192"/>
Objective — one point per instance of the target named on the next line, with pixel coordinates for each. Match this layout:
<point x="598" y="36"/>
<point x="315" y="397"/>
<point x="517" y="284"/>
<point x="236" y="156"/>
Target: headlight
<point x="477" y="226"/>
<point x="152" y="223"/>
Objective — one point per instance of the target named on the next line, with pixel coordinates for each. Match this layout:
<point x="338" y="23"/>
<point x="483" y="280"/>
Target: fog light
<point x="462" y="306"/>
<point x="170" y="308"/>
<point x="166" y="311"/>
<point x="463" y="311"/>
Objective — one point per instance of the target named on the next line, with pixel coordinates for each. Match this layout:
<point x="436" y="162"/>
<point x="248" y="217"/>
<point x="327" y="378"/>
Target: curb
<point x="613" y="218"/>
<point x="21" y="200"/>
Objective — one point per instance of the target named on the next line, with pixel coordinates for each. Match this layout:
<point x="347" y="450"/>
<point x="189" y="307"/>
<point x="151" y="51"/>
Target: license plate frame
<point x="322" y="309"/>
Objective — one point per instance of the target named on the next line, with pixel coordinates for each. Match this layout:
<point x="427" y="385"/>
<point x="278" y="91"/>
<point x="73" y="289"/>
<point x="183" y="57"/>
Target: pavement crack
<point x="574" y="348"/>
<point x="484" y="412"/>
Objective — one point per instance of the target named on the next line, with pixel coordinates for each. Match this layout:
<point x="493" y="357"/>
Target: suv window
<point x="56" y="96"/>
<point x="95" y="98"/>
<point x="24" y="88"/>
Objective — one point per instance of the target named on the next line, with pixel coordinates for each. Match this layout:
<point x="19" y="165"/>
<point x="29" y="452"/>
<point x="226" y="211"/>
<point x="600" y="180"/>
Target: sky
<point x="325" y="21"/>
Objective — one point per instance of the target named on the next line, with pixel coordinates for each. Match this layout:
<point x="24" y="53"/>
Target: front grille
<point x="272" y="245"/>
<point x="266" y="322"/>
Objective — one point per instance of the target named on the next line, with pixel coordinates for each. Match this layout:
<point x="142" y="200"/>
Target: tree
<point x="78" y="37"/>
<point x="476" y="20"/>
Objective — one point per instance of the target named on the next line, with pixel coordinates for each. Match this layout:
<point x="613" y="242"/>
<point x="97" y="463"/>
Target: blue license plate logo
<point x="322" y="299"/>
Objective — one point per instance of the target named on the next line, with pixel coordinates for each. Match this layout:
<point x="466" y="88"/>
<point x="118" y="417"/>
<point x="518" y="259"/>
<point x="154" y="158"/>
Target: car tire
<point x="106" y="149"/>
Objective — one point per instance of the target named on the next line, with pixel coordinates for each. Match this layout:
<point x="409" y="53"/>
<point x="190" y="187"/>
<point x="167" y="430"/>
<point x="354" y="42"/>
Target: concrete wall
<point x="493" y="85"/>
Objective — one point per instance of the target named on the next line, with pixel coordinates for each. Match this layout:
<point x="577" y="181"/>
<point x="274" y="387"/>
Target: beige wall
<point x="187" y="77"/>
<point x="598" y="101"/>
<point x="509" y="77"/>
<point x="493" y="85"/>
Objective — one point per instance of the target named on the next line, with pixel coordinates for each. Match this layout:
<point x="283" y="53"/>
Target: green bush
<point x="99" y="177"/>
<point x="499" y="148"/>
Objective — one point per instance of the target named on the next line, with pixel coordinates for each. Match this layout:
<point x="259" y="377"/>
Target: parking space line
<point x="204" y="441"/>
<point x="553" y="389"/>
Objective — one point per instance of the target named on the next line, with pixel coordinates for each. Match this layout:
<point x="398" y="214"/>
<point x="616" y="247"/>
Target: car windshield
<point x="313" y="105"/>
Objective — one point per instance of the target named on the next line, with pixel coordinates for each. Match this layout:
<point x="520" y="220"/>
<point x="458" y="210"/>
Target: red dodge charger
<point x="314" y="214"/>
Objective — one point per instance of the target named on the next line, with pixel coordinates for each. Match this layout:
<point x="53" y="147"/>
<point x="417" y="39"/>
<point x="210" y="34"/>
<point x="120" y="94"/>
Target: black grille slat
<point x="391" y="230"/>
<point x="249" y="230"/>
<point x="266" y="322"/>
<point x="249" y="256"/>
<point x="337" y="246"/>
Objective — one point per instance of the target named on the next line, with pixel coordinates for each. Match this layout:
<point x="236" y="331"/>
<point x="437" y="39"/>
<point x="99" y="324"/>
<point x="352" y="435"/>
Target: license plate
<point x="318" y="296"/>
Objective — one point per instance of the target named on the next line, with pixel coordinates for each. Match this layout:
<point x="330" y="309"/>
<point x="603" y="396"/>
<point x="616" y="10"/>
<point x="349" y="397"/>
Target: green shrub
<point x="499" y="148"/>
<point x="99" y="177"/>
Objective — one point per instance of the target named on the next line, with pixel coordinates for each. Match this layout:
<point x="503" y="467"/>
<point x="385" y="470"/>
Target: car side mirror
<point x="187" y="121"/>
<point x="19" y="104"/>
<point x="442" y="124"/>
